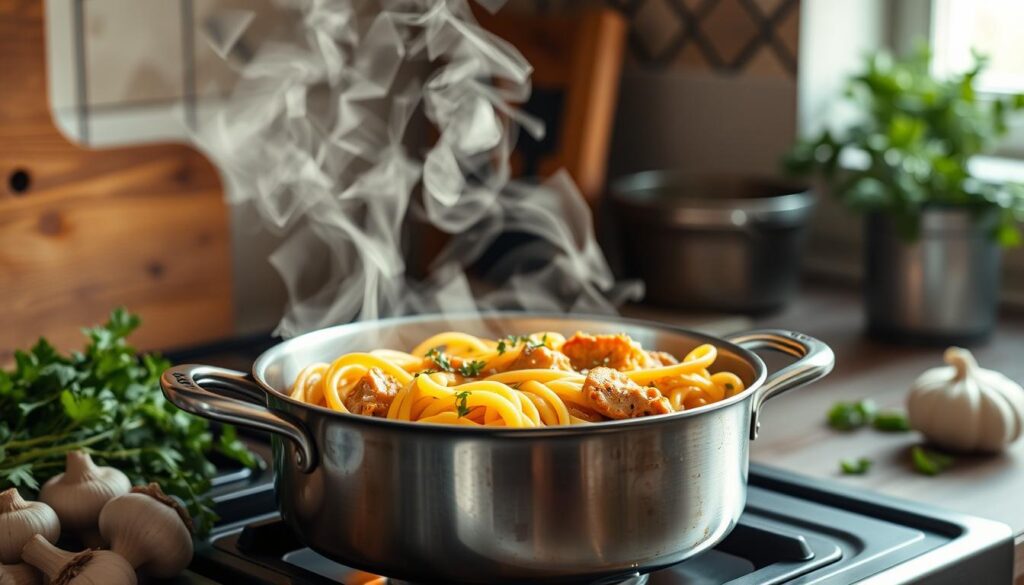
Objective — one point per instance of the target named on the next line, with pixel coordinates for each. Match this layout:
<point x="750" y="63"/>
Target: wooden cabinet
<point x="83" y="231"/>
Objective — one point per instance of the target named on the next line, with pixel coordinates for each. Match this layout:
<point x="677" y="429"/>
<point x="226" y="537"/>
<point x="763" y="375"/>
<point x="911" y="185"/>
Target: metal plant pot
<point x="941" y="288"/>
<point x="730" y="243"/>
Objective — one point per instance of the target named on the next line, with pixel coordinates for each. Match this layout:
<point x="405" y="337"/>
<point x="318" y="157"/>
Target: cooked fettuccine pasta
<point x="541" y="379"/>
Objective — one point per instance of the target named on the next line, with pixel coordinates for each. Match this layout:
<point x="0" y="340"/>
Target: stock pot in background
<point x="718" y="242"/>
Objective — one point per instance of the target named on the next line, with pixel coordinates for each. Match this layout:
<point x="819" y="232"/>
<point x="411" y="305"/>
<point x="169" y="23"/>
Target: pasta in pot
<point x="536" y="380"/>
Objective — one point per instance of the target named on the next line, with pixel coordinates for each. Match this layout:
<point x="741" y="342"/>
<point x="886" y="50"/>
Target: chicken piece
<point x="373" y="395"/>
<point x="618" y="352"/>
<point x="540" y="358"/>
<point x="658" y="359"/>
<point x="614" y="395"/>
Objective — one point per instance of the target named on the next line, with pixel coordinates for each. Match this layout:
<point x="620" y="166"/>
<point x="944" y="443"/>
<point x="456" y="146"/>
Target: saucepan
<point x="445" y="504"/>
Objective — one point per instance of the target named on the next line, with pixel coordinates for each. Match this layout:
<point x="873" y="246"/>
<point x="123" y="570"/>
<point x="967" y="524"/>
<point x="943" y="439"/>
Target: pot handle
<point x="815" y="361"/>
<point x="233" y="397"/>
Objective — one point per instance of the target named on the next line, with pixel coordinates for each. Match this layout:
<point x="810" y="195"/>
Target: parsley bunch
<point x="106" y="401"/>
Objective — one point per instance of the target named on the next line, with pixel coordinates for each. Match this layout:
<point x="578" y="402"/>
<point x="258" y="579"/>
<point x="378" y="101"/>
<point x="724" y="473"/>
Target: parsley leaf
<point x="460" y="403"/>
<point x="846" y="416"/>
<point x="929" y="462"/>
<point x="471" y="369"/>
<point x="891" y="421"/>
<point x="440" y="359"/>
<point x="858" y="467"/>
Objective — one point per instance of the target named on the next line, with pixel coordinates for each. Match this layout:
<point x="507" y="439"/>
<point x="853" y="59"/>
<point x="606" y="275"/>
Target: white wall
<point x="834" y="38"/>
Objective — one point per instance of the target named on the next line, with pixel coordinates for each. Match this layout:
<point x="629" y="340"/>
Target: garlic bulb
<point x="20" y="574"/>
<point x="963" y="407"/>
<point x="150" y="530"/>
<point x="90" y="567"/>
<point x="20" y="520"/>
<point x="78" y="494"/>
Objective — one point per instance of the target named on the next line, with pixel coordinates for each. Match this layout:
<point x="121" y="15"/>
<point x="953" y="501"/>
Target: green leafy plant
<point x="917" y="134"/>
<point x="107" y="401"/>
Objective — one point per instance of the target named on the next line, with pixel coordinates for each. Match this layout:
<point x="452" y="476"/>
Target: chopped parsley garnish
<point x="508" y="342"/>
<point x="858" y="467"/>
<point x="460" y="403"/>
<point x="467" y="369"/>
<point x="930" y="462"/>
<point x="846" y="416"/>
<point x="471" y="369"/>
<point x="891" y="421"/>
<point x="440" y="359"/>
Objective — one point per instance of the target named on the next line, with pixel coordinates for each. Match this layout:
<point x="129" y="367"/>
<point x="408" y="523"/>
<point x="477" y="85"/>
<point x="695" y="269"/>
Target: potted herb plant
<point x="933" y="231"/>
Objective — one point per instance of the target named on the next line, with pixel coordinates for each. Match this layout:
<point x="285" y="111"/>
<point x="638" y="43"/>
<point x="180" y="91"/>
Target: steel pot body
<point x="713" y="242"/>
<point x="446" y="504"/>
<point x="941" y="287"/>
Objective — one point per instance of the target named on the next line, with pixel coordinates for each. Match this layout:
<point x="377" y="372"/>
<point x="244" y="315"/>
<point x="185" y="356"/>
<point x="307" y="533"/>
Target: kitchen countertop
<point x="794" y="435"/>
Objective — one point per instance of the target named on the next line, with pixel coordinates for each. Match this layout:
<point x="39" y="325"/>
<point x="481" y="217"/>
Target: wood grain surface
<point x="794" y="435"/>
<point x="143" y="227"/>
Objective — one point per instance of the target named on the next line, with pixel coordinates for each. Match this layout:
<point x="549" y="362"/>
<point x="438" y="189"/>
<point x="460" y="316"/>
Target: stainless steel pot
<point x="713" y="242"/>
<point x="442" y="504"/>
<point x="940" y="288"/>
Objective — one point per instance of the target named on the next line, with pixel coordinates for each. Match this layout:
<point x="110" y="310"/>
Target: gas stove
<point x="794" y="530"/>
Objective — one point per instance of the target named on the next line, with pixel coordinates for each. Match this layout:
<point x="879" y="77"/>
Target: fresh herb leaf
<point x="20" y="476"/>
<point x="930" y="462"/>
<point x="511" y="341"/>
<point x="847" y="416"/>
<point x="891" y="421"/>
<point x="471" y="369"/>
<point x="440" y="359"/>
<point x="867" y="409"/>
<point x="858" y="467"/>
<point x="460" y="403"/>
<point x="106" y="400"/>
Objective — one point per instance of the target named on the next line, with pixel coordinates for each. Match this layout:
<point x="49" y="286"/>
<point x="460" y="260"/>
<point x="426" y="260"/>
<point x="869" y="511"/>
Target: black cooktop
<point x="794" y="530"/>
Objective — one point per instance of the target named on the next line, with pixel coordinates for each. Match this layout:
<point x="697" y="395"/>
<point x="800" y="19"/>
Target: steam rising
<point x="317" y="137"/>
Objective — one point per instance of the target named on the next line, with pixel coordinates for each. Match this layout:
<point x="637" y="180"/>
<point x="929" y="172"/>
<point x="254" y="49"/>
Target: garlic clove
<point x="20" y="520"/>
<point x="20" y="574"/>
<point x="150" y="530"/>
<point x="90" y="567"/>
<point x="78" y="494"/>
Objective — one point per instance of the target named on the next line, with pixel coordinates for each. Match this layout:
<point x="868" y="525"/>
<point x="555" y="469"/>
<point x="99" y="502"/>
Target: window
<point x="992" y="27"/>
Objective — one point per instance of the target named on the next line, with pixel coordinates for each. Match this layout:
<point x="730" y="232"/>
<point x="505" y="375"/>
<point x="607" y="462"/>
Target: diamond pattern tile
<point x="655" y="28"/>
<point x="788" y="31"/>
<point x="768" y="7"/>
<point x="730" y="29"/>
<point x="724" y="35"/>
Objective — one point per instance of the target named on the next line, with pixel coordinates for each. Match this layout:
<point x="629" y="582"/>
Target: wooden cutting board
<point x="143" y="227"/>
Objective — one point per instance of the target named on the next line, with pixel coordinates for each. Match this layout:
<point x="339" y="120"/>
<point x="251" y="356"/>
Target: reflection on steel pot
<point x="713" y="242"/>
<point x="941" y="288"/>
<point x="457" y="504"/>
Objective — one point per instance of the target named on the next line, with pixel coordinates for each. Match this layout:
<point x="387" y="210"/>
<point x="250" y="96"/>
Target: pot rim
<point x="638" y="195"/>
<point x="273" y="354"/>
